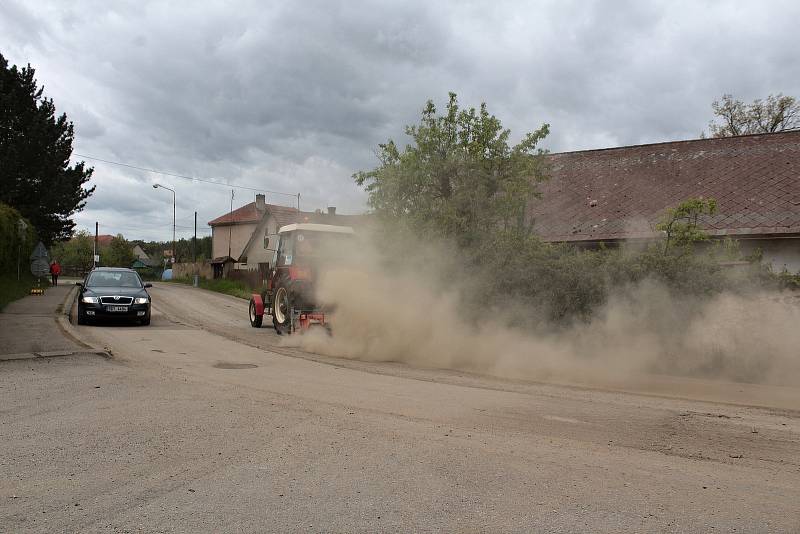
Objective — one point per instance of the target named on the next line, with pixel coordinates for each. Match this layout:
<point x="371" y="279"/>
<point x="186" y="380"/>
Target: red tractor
<point x="303" y="250"/>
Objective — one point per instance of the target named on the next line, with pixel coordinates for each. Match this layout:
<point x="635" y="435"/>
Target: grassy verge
<point x="11" y="289"/>
<point x="220" y="285"/>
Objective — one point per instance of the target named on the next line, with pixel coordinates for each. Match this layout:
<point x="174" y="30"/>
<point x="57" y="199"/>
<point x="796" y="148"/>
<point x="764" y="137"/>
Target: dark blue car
<point x="113" y="293"/>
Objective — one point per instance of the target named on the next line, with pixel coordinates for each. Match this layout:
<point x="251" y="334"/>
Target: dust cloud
<point x="411" y="310"/>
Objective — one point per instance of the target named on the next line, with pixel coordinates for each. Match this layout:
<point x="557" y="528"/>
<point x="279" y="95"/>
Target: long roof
<point x="619" y="193"/>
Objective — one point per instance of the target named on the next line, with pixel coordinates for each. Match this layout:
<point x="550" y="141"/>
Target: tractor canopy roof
<point x="316" y="228"/>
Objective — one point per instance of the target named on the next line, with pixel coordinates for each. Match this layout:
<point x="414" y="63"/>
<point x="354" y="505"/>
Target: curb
<point x="64" y="305"/>
<point x="50" y="354"/>
<point x="69" y="330"/>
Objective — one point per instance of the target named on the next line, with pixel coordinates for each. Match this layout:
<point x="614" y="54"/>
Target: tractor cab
<point x="310" y="245"/>
<point x="304" y="250"/>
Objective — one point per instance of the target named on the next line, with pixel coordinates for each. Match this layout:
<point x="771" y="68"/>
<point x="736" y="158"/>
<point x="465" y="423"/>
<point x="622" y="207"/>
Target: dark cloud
<point x="294" y="96"/>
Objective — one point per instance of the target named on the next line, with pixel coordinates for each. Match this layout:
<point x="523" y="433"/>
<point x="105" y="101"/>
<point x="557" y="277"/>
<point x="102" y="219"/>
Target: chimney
<point x="261" y="202"/>
<point x="331" y="210"/>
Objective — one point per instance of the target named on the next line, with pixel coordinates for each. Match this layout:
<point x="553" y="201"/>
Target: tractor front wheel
<point x="282" y="311"/>
<point x="255" y="319"/>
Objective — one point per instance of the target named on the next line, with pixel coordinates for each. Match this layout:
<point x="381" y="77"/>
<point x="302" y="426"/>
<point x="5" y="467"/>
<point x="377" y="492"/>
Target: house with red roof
<point x="247" y="236"/>
<point x="619" y="194"/>
<point x="103" y="240"/>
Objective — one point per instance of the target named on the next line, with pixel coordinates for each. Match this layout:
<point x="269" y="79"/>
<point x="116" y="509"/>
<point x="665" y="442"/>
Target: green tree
<point x="75" y="253"/>
<point x="119" y="253"/>
<point x="680" y="224"/>
<point x="35" y="149"/>
<point x="775" y="114"/>
<point x="459" y="177"/>
<point x="183" y="247"/>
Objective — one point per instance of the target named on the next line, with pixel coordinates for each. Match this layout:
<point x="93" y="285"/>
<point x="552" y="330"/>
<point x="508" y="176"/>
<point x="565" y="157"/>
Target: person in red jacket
<point x="55" y="270"/>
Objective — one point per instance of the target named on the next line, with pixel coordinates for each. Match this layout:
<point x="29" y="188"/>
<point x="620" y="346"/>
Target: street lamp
<point x="174" y="252"/>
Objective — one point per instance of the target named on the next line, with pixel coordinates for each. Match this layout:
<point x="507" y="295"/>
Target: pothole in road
<point x="231" y="365"/>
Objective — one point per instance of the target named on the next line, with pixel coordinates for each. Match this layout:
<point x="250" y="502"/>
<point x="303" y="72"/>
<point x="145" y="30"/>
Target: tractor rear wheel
<point x="255" y="319"/>
<point x="282" y="311"/>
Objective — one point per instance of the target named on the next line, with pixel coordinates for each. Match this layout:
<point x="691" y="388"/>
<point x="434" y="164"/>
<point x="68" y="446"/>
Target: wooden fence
<point x="253" y="279"/>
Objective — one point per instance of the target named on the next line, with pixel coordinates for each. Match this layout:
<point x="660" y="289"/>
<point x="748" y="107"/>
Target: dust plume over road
<point x="404" y="312"/>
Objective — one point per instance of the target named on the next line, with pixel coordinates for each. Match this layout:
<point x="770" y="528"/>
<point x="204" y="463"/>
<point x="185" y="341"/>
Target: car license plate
<point x="117" y="308"/>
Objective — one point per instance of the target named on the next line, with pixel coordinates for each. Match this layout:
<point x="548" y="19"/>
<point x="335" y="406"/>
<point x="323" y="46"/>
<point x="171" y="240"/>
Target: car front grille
<point x="122" y="301"/>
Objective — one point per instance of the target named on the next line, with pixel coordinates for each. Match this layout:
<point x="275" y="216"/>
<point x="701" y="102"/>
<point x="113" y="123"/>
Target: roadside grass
<point x="234" y="288"/>
<point x="12" y="289"/>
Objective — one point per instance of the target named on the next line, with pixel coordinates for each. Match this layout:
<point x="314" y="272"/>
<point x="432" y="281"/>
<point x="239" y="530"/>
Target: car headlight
<point x="140" y="300"/>
<point x="90" y="300"/>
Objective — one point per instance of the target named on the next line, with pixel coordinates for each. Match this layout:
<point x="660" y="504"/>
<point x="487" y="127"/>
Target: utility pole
<point x="194" y="241"/>
<point x="174" y="252"/>
<point x="230" y="227"/>
<point x="94" y="256"/>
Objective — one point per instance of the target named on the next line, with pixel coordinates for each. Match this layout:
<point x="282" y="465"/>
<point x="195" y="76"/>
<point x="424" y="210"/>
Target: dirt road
<point x="201" y="423"/>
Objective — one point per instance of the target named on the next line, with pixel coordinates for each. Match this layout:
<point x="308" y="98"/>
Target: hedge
<point x="12" y="244"/>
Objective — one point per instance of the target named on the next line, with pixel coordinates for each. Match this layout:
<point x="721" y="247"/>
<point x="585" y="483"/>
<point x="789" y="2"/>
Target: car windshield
<point x="113" y="279"/>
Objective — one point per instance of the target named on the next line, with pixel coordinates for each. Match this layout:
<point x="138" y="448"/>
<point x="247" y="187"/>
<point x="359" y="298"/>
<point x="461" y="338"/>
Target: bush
<point x="14" y="243"/>
<point x="12" y="289"/>
<point x="562" y="283"/>
<point x="220" y="285"/>
<point x="787" y="280"/>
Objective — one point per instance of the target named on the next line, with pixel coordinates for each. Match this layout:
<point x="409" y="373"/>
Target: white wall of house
<point x="239" y="236"/>
<point x="256" y="253"/>
<point x="781" y="253"/>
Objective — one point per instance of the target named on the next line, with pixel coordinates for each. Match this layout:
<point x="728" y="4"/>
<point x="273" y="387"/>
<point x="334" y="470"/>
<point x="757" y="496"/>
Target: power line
<point x="212" y="182"/>
<point x="156" y="226"/>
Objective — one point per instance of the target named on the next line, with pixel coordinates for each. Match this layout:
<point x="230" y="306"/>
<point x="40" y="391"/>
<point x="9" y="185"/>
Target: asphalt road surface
<point x="200" y="423"/>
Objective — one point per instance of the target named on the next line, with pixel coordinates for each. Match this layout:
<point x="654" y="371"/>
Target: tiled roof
<point x="245" y="214"/>
<point x="104" y="240"/>
<point x="283" y="214"/>
<point x="622" y="192"/>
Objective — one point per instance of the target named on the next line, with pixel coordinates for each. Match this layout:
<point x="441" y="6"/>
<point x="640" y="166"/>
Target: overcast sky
<point x="295" y="96"/>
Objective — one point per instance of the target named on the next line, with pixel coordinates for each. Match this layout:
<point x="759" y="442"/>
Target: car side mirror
<point x="79" y="284"/>
<point x="148" y="285"/>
